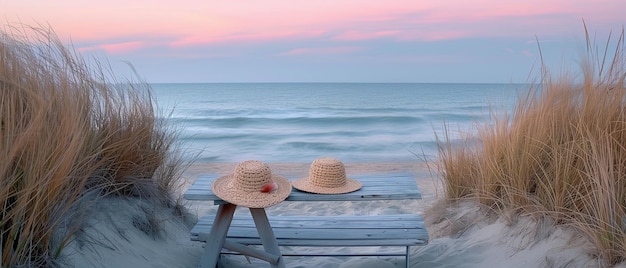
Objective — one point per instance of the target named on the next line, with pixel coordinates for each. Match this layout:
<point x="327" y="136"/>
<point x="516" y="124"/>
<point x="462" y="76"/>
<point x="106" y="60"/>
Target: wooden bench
<point x="404" y="230"/>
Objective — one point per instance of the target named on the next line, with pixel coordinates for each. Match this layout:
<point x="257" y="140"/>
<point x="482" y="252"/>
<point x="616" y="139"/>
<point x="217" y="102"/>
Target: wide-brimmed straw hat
<point x="327" y="176"/>
<point x="252" y="185"/>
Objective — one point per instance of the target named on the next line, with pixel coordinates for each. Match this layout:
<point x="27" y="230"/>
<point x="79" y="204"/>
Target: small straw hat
<point x="327" y="176"/>
<point x="248" y="186"/>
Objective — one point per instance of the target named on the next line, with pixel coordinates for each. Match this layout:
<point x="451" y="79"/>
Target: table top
<point x="384" y="186"/>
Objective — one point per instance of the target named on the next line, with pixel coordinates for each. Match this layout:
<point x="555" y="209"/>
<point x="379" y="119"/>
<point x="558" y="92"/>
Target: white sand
<point x="465" y="235"/>
<point x="112" y="240"/>
<point x="462" y="235"/>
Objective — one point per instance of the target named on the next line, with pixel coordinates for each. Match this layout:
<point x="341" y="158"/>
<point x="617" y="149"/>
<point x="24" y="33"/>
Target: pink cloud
<point x="200" y="39"/>
<point x="223" y="21"/>
<point x="320" y="51"/>
<point x="363" y="35"/>
<point x="434" y="35"/>
<point x="116" y="48"/>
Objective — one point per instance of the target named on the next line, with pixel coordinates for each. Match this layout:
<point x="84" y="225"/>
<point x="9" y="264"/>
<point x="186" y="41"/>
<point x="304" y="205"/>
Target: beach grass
<point x="70" y="130"/>
<point x="560" y="153"/>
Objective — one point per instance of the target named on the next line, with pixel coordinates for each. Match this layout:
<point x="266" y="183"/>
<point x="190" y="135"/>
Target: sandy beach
<point x="462" y="234"/>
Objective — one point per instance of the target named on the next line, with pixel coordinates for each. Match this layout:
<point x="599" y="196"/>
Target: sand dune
<point x="462" y="235"/>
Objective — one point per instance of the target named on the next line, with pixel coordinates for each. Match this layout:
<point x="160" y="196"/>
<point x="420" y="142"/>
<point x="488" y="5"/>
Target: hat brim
<point x="223" y="188"/>
<point x="305" y="185"/>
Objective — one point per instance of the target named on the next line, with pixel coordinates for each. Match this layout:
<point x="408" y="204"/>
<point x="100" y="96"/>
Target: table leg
<point x="267" y="235"/>
<point x="217" y="236"/>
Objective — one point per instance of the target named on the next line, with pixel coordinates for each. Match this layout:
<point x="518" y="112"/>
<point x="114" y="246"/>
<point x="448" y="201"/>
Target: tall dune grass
<point x="68" y="129"/>
<point x="560" y="153"/>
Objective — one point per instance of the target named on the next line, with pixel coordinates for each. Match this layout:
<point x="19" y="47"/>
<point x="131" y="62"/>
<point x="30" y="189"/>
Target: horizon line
<point x="330" y="82"/>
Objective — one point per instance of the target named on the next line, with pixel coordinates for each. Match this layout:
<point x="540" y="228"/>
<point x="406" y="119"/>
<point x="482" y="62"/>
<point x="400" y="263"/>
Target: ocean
<point x="299" y="122"/>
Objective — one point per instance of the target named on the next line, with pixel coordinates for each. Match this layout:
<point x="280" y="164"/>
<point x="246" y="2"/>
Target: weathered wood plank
<point x="394" y="186"/>
<point x="266" y="235"/>
<point x="383" y="230"/>
<point x="324" y="222"/>
<point x="330" y="234"/>
<point x="335" y="243"/>
<point x="216" y="235"/>
<point x="336" y="254"/>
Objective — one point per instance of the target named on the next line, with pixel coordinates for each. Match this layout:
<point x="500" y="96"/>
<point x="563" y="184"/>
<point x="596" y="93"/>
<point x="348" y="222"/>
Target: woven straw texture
<point x="243" y="187"/>
<point x="327" y="176"/>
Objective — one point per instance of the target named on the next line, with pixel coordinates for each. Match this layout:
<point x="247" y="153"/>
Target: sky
<point x="423" y="41"/>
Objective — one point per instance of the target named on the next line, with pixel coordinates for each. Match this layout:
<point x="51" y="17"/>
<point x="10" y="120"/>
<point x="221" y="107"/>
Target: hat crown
<point x="252" y="175"/>
<point x="327" y="172"/>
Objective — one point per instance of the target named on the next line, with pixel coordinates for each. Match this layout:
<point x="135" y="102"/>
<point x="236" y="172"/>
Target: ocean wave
<point x="298" y="122"/>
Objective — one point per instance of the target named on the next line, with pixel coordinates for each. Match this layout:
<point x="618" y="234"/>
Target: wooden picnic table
<point x="395" y="186"/>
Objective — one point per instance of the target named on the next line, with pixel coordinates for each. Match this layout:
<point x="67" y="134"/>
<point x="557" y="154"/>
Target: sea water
<point x="299" y="122"/>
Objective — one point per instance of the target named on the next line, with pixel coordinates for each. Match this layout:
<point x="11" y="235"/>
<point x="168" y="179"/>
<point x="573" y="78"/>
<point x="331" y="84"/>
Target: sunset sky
<point x="326" y="40"/>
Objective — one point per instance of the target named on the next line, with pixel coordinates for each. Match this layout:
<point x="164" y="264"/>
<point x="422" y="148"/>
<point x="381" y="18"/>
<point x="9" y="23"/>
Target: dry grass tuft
<point x="66" y="131"/>
<point x="561" y="153"/>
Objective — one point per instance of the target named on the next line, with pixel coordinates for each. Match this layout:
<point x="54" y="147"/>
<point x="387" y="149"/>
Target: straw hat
<point x="327" y="176"/>
<point x="248" y="186"/>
